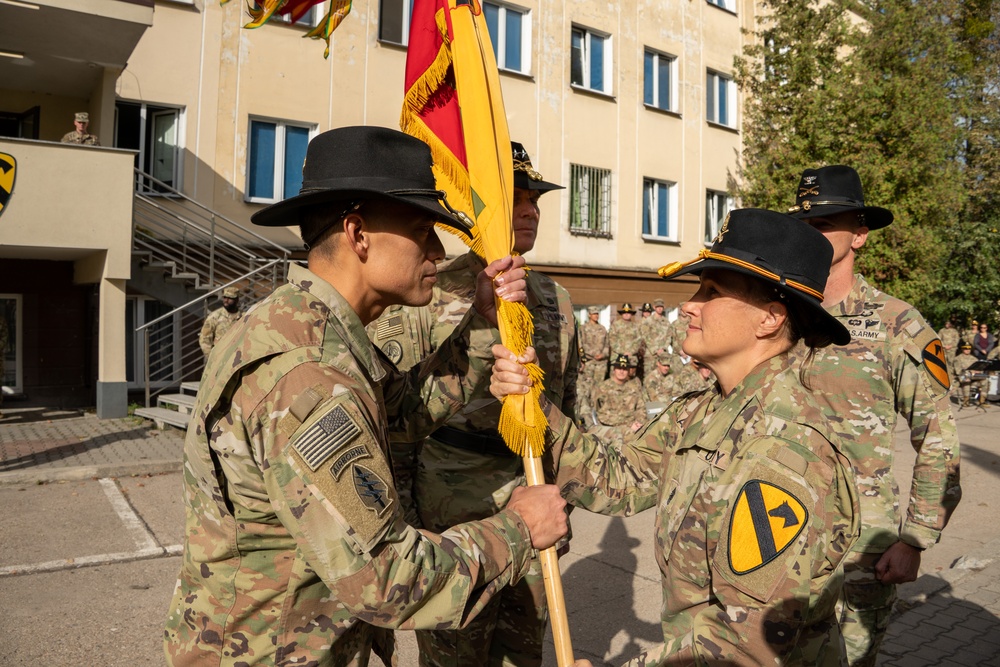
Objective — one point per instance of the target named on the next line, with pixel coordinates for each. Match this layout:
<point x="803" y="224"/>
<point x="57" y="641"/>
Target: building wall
<point x="202" y="61"/>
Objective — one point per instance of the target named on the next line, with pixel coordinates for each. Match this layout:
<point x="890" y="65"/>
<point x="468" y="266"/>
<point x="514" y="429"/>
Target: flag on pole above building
<point x="262" y="10"/>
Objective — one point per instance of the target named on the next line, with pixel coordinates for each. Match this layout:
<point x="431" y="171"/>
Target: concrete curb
<point x="78" y="473"/>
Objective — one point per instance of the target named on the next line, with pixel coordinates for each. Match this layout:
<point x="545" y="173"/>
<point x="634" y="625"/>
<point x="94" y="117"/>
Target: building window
<point x="659" y="210"/>
<point x="717" y="207"/>
<point x="510" y="32"/>
<point x="590" y="201"/>
<point x="721" y="99"/>
<point x="658" y="80"/>
<point x="394" y="21"/>
<point x="277" y="150"/>
<point x="728" y="5"/>
<point x="308" y="20"/>
<point x="590" y="66"/>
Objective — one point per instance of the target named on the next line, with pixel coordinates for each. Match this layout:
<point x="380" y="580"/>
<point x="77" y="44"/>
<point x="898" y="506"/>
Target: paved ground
<point x="93" y="525"/>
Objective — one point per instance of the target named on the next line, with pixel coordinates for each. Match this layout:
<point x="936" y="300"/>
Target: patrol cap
<point x="626" y="308"/>
<point x="779" y="250"/>
<point x="525" y="176"/>
<point x="647" y="307"/>
<point x="231" y="293"/>
<point x="633" y="362"/>
<point x="357" y="163"/>
<point x="620" y="361"/>
<point x="658" y="302"/>
<point x="594" y="310"/>
<point x="665" y="358"/>
<point x="835" y="189"/>
<point x="82" y="117"/>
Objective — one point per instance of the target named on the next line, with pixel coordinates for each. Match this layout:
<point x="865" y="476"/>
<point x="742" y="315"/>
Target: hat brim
<point x="875" y="216"/>
<point x="286" y="213"/>
<point x="831" y="325"/>
<point x="523" y="181"/>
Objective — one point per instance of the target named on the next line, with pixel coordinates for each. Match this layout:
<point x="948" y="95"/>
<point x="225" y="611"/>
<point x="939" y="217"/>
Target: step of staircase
<point x="162" y="417"/>
<point x="190" y="387"/>
<point x="184" y="402"/>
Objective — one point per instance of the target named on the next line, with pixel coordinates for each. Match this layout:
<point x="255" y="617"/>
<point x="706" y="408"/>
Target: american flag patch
<point x="326" y="436"/>
<point x="389" y="327"/>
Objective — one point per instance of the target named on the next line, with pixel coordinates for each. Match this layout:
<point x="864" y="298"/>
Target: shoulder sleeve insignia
<point x="327" y="435"/>
<point x="390" y="327"/>
<point x="371" y="489"/>
<point x="935" y="363"/>
<point x="393" y="350"/>
<point x="766" y="519"/>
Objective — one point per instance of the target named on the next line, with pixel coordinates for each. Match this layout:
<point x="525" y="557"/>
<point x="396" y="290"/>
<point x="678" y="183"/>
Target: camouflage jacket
<point x="893" y="364"/>
<point x="679" y="331"/>
<point x="756" y="510"/>
<point x="625" y="338"/>
<point x="687" y="377"/>
<point x="295" y="549"/>
<point x="619" y="404"/>
<point x="656" y="334"/>
<point x="594" y="342"/>
<point x="949" y="338"/>
<point x="84" y="138"/>
<point x="216" y="325"/>
<point x="660" y="387"/>
<point x="962" y="363"/>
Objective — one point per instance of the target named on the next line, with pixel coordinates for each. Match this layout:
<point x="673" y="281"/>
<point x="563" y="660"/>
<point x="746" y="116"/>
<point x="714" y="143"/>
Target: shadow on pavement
<point x="18" y="416"/>
<point x="63" y="450"/>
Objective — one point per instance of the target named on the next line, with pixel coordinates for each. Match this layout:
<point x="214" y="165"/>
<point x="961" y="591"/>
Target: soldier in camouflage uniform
<point x="464" y="471"/>
<point x="80" y="135"/>
<point x="656" y="333"/>
<point x="678" y="331"/>
<point x="756" y="502"/>
<point x="893" y="364"/>
<point x="660" y="384"/>
<point x="618" y="400"/>
<point x="964" y="376"/>
<point x="594" y="350"/>
<point x="220" y="320"/>
<point x="687" y="376"/>
<point x="949" y="336"/>
<point x="296" y="552"/>
<point x="625" y="336"/>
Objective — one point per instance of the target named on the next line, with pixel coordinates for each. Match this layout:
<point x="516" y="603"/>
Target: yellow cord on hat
<point x="673" y="267"/>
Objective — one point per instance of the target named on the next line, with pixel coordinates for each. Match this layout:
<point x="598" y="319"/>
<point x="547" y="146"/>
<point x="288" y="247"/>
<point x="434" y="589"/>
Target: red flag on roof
<point x="262" y="10"/>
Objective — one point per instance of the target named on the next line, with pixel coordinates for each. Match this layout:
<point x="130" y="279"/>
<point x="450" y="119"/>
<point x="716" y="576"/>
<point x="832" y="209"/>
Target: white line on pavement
<point x="90" y="561"/>
<point x="143" y="538"/>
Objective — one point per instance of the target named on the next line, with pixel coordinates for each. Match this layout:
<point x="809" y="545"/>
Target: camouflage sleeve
<point x="206" y="339"/>
<point x="423" y="398"/>
<point x="330" y="486"/>
<point x="921" y="386"/>
<point x="572" y="370"/>
<point x="605" y="345"/>
<point x="604" y="470"/>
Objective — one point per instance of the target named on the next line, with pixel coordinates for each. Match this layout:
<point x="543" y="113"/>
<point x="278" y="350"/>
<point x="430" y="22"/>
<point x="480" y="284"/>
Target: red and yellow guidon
<point x="936" y="364"/>
<point x="8" y="170"/>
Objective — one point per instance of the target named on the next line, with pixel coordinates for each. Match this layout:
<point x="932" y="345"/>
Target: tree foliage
<point x="906" y="92"/>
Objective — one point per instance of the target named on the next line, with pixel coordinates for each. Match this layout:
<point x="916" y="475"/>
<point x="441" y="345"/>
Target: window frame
<point x="598" y="224"/>
<point x="649" y="208"/>
<point x="672" y="73"/>
<point x="525" y="45"/>
<point x="712" y="225"/>
<point x="279" y="155"/>
<point x="725" y="5"/>
<point x="607" y="64"/>
<point x="406" y="8"/>
<point x="712" y="78"/>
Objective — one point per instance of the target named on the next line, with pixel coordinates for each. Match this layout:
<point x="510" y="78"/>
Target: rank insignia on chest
<point x="766" y="519"/>
<point x="371" y="489"/>
<point x="318" y="443"/>
<point x="935" y="363"/>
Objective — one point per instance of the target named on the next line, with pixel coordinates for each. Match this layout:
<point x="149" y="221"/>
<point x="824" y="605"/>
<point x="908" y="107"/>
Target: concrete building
<point x="630" y="105"/>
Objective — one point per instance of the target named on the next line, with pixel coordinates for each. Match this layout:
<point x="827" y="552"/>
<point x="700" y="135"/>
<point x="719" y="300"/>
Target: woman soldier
<point x="756" y="505"/>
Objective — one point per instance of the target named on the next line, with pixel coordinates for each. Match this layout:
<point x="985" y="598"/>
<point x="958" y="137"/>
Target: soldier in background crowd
<point x="964" y="377"/>
<point x="625" y="337"/>
<point x="679" y="331"/>
<point x="647" y="311"/>
<point x="969" y="333"/>
<point x="949" y="336"/>
<point x="893" y="363"/>
<point x="220" y="320"/>
<point x="687" y="375"/>
<point x="660" y="384"/>
<point x="618" y="400"/>
<point x="464" y="471"/>
<point x="594" y="349"/>
<point x="80" y="135"/>
<point x="296" y="551"/>
<point x="656" y="333"/>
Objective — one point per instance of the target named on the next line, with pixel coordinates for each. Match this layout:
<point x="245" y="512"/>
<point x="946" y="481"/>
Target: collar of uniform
<point x="854" y="303"/>
<point x="343" y="319"/>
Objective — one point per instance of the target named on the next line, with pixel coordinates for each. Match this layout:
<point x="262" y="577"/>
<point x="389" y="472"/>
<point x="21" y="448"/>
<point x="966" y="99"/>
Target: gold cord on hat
<point x="673" y="267"/>
<point x="525" y="166"/>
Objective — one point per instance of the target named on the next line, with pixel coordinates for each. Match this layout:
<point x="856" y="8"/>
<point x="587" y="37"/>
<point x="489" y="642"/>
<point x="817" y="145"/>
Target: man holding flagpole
<point x="464" y="471"/>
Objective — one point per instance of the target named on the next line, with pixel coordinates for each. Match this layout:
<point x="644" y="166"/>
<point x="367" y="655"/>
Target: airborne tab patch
<point x="326" y="436"/>
<point x="935" y="363"/>
<point x="766" y="519"/>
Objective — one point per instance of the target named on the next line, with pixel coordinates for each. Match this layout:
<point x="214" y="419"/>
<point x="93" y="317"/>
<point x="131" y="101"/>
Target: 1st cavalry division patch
<point x="8" y="170"/>
<point x="935" y="363"/>
<point x="766" y="519"/>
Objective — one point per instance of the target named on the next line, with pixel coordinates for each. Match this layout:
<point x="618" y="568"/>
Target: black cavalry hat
<point x="525" y="176"/>
<point x="357" y="163"/>
<point x="835" y="189"/>
<point x="778" y="249"/>
<point x="626" y="308"/>
<point x="620" y="361"/>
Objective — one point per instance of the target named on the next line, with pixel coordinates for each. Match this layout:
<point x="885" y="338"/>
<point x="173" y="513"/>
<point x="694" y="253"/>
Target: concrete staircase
<point x="172" y="409"/>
